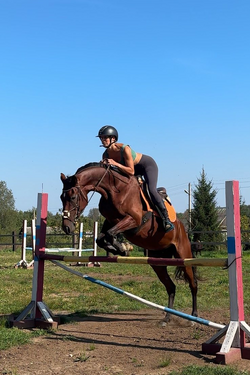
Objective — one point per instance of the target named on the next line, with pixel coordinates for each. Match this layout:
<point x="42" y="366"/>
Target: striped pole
<point x="142" y="300"/>
<point x="79" y="250"/>
<point x="38" y="275"/>
<point x="234" y="346"/>
<point x="23" y="262"/>
<point x="36" y="308"/>
<point x="206" y="262"/>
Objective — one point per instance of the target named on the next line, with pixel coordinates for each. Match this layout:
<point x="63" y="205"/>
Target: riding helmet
<point x="108" y="130"/>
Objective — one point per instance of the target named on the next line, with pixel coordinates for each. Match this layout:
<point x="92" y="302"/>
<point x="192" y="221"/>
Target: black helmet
<point x="108" y="131"/>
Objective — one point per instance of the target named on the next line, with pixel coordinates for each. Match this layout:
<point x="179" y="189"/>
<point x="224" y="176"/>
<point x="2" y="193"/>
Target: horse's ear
<point x="63" y="177"/>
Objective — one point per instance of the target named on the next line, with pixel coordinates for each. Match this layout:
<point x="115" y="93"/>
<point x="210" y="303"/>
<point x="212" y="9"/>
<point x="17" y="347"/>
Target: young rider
<point x="133" y="163"/>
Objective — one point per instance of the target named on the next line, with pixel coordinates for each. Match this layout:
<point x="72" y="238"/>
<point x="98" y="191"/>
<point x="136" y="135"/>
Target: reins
<point x="108" y="169"/>
<point x="66" y="213"/>
<point x="98" y="183"/>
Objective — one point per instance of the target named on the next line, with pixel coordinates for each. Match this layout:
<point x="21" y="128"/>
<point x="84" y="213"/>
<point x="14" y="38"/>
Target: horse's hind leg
<point x="163" y="276"/>
<point x="190" y="276"/>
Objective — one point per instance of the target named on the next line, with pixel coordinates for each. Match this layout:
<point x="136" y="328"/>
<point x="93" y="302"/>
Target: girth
<point x="146" y="217"/>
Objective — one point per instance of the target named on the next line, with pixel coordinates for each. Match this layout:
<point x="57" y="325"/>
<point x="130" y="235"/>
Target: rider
<point x="133" y="163"/>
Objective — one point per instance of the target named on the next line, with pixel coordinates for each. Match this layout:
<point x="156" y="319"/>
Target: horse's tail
<point x="181" y="275"/>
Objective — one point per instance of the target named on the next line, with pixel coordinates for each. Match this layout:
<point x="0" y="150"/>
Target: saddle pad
<point x="171" y="211"/>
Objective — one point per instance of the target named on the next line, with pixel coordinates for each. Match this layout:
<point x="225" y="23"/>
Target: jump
<point x="125" y="212"/>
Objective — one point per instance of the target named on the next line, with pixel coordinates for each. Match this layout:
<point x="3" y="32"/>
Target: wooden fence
<point x="14" y="240"/>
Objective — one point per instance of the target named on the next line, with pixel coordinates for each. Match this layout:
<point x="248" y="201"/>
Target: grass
<point x="14" y="336"/>
<point x="82" y="357"/>
<point x="64" y="291"/>
<point x="165" y="362"/>
<point x="72" y="295"/>
<point x="209" y="370"/>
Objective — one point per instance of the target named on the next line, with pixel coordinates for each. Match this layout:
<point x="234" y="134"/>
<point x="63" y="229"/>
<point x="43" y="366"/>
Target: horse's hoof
<point x="163" y="324"/>
<point x="122" y="253"/>
<point x="116" y="252"/>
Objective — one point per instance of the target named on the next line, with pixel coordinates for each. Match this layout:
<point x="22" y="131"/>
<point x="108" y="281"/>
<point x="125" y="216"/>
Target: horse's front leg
<point x="125" y="224"/>
<point x="107" y="240"/>
<point x="102" y="241"/>
<point x="115" y="247"/>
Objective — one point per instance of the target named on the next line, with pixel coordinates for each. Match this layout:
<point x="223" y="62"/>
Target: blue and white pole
<point x="142" y="300"/>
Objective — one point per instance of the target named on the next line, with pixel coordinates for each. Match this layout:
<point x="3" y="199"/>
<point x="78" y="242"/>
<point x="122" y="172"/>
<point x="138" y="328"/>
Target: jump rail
<point x="23" y="262"/>
<point x="234" y="345"/>
<point x="206" y="262"/>
<point x="142" y="300"/>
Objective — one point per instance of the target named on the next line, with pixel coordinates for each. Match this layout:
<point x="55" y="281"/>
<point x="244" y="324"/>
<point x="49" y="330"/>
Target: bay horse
<point x="122" y="206"/>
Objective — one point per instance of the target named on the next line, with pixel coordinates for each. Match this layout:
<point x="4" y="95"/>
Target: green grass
<point x="209" y="370"/>
<point x="64" y="291"/>
<point x="15" y="336"/>
<point x="73" y="295"/>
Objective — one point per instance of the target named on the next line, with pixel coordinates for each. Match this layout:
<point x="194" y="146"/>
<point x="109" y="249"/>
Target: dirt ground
<point x="115" y="344"/>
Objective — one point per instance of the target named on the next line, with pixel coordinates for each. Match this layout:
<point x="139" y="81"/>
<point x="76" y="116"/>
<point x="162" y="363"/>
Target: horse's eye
<point x="73" y="198"/>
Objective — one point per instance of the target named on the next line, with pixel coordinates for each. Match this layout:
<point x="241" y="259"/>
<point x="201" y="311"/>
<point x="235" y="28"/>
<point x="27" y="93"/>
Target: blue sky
<point x="171" y="76"/>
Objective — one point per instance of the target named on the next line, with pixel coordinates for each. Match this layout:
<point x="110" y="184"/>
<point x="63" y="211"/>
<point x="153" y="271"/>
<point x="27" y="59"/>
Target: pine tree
<point x="204" y="212"/>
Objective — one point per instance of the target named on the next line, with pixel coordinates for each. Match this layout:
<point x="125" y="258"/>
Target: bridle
<point x="76" y="205"/>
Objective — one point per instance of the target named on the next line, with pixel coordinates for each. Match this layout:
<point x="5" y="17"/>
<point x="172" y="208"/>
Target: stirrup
<point x="168" y="226"/>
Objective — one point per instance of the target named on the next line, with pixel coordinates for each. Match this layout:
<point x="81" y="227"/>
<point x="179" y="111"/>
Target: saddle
<point x="147" y="200"/>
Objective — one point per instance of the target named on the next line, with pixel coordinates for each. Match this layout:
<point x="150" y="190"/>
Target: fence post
<point x="13" y="240"/>
<point x="74" y="240"/>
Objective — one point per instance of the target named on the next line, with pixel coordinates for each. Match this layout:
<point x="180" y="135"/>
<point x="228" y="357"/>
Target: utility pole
<point x="189" y="193"/>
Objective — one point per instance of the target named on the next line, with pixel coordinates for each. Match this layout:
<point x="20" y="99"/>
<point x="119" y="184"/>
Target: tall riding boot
<point x="167" y="225"/>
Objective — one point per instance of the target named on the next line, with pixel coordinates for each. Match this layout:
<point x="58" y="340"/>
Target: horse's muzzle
<point x="68" y="228"/>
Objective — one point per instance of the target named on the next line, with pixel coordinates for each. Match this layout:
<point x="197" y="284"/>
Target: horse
<point x="125" y="212"/>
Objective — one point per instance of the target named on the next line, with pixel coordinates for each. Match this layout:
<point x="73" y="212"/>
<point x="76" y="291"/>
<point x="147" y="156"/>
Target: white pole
<point x="94" y="238"/>
<point x="33" y="233"/>
<point x="24" y="243"/>
<point x="80" y="239"/>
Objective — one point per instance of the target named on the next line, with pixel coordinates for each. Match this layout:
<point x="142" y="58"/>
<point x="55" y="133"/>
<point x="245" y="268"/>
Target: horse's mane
<point x="71" y="180"/>
<point x="89" y="165"/>
<point x="100" y="165"/>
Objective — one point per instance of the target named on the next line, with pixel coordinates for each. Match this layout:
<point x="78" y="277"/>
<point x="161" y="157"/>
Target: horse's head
<point x="74" y="200"/>
<point x="91" y="177"/>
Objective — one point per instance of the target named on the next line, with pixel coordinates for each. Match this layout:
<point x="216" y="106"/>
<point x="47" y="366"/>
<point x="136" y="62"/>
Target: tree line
<point x="11" y="219"/>
<point x="205" y="219"/>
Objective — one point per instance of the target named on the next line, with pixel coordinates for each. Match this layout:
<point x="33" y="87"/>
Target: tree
<point x="204" y="213"/>
<point x="245" y="224"/>
<point x="7" y="208"/>
<point x="244" y="209"/>
<point x="94" y="214"/>
<point x="7" y="201"/>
